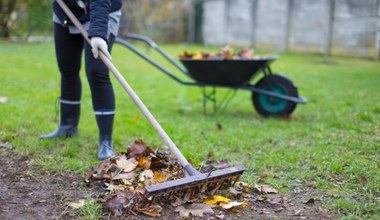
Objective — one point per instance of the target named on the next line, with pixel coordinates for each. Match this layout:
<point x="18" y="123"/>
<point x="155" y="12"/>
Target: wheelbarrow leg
<point x="211" y="96"/>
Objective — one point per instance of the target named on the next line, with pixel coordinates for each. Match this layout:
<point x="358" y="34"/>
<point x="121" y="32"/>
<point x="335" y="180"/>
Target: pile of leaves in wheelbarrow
<point x="125" y="176"/>
<point x="226" y="53"/>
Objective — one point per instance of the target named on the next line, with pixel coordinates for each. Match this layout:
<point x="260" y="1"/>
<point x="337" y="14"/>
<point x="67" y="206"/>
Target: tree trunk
<point x="5" y="15"/>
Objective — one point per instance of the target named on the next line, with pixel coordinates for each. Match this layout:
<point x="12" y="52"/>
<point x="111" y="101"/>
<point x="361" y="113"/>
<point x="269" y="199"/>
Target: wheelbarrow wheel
<point x="267" y="105"/>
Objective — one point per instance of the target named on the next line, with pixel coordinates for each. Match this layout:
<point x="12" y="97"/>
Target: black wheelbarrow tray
<point x="272" y="95"/>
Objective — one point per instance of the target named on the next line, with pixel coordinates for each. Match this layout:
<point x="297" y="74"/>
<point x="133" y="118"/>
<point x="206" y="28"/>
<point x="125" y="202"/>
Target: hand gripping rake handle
<point x="173" y="148"/>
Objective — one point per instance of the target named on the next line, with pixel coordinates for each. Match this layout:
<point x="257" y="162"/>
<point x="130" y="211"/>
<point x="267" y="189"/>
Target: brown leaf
<point x="153" y="211"/>
<point x="160" y="177"/>
<point x="227" y="53"/>
<point x="220" y="164"/>
<point x="196" y="209"/>
<point x="234" y="204"/>
<point x="144" y="163"/>
<point x="363" y="179"/>
<point x="146" y="175"/>
<point x="115" y="205"/>
<point x="138" y="149"/>
<point x="127" y="165"/>
<point x="90" y="175"/>
<point x="265" y="189"/>
<point x="219" y="126"/>
<point x="126" y="177"/>
<point x="158" y="162"/>
<point x="185" y="55"/>
<point x="246" y="54"/>
<point x="76" y="205"/>
<point x="121" y="200"/>
<point x="261" y="177"/>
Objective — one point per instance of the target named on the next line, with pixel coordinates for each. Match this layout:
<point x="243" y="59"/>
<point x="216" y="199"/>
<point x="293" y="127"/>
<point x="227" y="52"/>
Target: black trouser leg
<point x="68" y="48"/>
<point x="103" y="100"/>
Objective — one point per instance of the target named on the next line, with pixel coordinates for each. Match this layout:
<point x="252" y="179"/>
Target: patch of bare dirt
<point x="28" y="193"/>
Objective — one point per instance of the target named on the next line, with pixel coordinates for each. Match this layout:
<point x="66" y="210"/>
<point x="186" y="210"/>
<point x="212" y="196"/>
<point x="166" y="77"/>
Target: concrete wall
<point x="271" y="24"/>
<point x="239" y="21"/>
<point x="214" y="27"/>
<point x="309" y="26"/>
<point x="354" y="28"/>
<point x="336" y="27"/>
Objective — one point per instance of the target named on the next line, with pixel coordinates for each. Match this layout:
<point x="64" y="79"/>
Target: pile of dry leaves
<point x="125" y="176"/>
<point x="226" y="53"/>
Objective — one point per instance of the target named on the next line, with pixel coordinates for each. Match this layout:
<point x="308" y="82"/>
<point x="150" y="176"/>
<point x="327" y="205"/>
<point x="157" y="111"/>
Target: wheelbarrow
<point x="272" y="95"/>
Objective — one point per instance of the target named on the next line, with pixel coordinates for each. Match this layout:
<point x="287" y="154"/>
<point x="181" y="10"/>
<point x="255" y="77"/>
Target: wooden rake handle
<point x="173" y="148"/>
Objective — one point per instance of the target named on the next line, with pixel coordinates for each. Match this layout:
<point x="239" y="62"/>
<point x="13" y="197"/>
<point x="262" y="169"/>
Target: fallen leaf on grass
<point x="220" y="164"/>
<point x="265" y="189"/>
<point x="3" y="99"/>
<point x="363" y="179"/>
<point x="196" y="209"/>
<point x="297" y="212"/>
<point x="224" y="202"/>
<point x="217" y="200"/>
<point x="219" y="126"/>
<point x="5" y="145"/>
<point x="136" y="118"/>
<point x="261" y="177"/>
<point x="234" y="204"/>
<point x="76" y="205"/>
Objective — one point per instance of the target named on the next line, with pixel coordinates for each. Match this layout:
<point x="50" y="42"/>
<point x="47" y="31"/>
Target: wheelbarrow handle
<point x="152" y="44"/>
<point x="173" y="148"/>
<point x="143" y="38"/>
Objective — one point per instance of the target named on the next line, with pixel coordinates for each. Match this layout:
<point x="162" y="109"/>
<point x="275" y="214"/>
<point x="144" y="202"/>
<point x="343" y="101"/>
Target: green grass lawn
<point x="329" y="148"/>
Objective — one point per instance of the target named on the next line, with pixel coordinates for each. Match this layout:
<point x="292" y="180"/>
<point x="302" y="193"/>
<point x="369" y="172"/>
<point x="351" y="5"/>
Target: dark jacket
<point x="96" y="11"/>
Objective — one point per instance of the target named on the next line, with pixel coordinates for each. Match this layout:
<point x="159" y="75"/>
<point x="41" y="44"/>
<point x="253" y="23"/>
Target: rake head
<point x="199" y="181"/>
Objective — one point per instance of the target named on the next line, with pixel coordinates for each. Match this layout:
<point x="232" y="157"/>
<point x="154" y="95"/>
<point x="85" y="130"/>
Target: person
<point x="101" y="19"/>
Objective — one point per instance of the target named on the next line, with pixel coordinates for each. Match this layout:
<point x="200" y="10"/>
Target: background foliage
<point x="162" y="20"/>
<point x="25" y="17"/>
